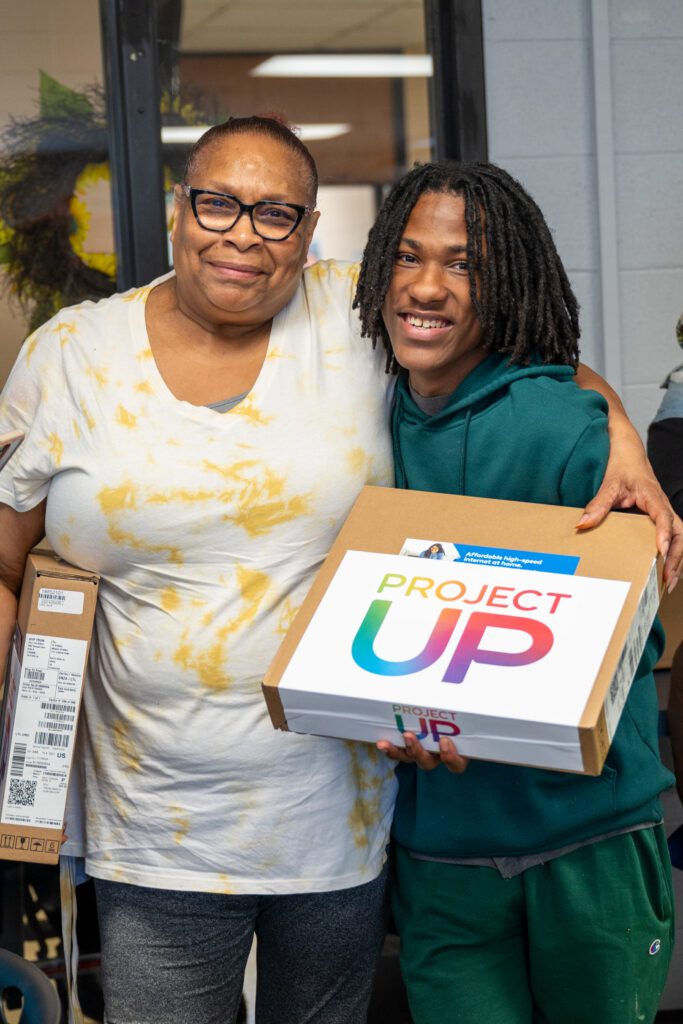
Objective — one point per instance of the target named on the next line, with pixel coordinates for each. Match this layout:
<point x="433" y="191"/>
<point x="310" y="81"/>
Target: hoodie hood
<point x="445" y="435"/>
<point x="492" y="375"/>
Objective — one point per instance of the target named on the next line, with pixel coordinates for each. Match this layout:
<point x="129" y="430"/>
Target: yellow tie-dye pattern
<point x="98" y="374"/>
<point x="223" y="886"/>
<point x="277" y="353"/>
<point x="140" y="294"/>
<point x="364" y="816"/>
<point x="31" y="343"/>
<point x="287" y="615"/>
<point x="116" y="500"/>
<point x="209" y="664"/>
<point x="144" y="387"/>
<point x="330" y="364"/>
<point x="120" y="807"/>
<point x="90" y="421"/>
<point x="359" y="461"/>
<point x="66" y="330"/>
<point x="55" y="446"/>
<point x="181" y="822"/>
<point x="127" y="752"/>
<point x="247" y="409"/>
<point x="126" y="418"/>
<point x="170" y="599"/>
<point x="258" y="512"/>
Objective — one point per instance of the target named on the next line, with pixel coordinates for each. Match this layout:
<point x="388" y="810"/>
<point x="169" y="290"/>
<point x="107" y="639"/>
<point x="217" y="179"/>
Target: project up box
<point x="495" y="623"/>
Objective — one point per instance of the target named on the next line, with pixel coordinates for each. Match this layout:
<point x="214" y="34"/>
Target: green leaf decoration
<point x="57" y="100"/>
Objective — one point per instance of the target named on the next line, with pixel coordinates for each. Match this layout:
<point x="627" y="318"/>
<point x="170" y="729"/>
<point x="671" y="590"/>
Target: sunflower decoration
<point x="56" y="233"/>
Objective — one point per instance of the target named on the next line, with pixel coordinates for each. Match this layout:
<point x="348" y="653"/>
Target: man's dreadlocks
<point x="518" y="284"/>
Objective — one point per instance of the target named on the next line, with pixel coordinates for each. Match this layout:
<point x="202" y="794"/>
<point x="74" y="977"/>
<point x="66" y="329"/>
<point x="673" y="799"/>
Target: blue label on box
<point x="508" y="559"/>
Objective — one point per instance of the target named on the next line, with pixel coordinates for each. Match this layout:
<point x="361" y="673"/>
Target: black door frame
<point x="457" y="95"/>
<point x="131" y="64"/>
<point x="130" y="57"/>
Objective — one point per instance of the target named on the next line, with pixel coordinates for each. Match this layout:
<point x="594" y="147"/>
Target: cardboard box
<point x="519" y="639"/>
<point x="43" y="687"/>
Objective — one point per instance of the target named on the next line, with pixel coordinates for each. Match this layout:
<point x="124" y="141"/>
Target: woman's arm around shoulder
<point x="630" y="481"/>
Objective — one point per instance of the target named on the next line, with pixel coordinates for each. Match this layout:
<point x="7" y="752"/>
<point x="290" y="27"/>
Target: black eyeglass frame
<point x="301" y="211"/>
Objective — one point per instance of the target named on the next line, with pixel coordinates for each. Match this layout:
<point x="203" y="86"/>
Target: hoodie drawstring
<point x="463" y="453"/>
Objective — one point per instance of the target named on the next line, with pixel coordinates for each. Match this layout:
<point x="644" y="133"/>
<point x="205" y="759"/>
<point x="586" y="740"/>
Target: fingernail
<point x="443" y="746"/>
<point x="665" y="551"/>
<point x="672" y="584"/>
<point x="585" y="518"/>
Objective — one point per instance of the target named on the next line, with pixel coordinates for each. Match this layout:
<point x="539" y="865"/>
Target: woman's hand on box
<point x="415" y="753"/>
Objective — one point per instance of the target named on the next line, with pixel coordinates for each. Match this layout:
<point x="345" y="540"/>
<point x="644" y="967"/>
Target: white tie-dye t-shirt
<point x="207" y="529"/>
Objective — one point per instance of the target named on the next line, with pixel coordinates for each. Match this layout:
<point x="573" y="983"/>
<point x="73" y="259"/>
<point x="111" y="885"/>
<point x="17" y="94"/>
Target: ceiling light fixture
<point x="345" y="65"/>
<point x="187" y="135"/>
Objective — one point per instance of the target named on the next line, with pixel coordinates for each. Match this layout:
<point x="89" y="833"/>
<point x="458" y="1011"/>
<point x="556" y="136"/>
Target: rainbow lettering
<point x="364" y="655"/>
<point x="468" y="650"/>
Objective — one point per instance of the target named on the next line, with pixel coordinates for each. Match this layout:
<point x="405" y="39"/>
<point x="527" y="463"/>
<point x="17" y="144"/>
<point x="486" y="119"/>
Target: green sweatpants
<point x="583" y="939"/>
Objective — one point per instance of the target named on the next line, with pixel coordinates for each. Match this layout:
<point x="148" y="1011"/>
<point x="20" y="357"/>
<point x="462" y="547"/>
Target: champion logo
<point x="655" y="947"/>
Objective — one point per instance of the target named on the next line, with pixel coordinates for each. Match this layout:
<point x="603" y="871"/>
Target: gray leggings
<point x="173" y="957"/>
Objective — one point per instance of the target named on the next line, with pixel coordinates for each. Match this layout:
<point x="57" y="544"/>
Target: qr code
<point x="22" y="792"/>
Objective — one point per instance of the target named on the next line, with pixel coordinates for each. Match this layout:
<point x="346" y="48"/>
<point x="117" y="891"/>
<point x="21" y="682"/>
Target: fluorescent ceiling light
<point x="317" y="132"/>
<point x="345" y="65"/>
<point x="181" y="134"/>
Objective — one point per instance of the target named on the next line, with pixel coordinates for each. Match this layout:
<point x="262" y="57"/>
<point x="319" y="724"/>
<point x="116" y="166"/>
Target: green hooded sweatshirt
<point x="522" y="433"/>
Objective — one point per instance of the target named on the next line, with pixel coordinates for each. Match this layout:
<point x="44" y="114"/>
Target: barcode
<point x="22" y="792"/>
<point x="53" y="595"/>
<point x="615" y="685"/>
<point x="52" y="739"/>
<point x="35" y="674"/>
<point x="54" y="726"/>
<point x="57" y="716"/>
<point x="18" y="759"/>
<point x="52" y="705"/>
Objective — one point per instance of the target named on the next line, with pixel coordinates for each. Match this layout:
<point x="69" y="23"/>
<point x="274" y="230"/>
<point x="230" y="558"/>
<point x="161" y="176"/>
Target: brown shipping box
<point x="43" y="688"/>
<point x="539" y="626"/>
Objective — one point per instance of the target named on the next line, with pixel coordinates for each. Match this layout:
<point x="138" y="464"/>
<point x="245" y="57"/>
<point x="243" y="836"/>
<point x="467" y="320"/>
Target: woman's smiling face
<point x="236" y="276"/>
<point x="428" y="311"/>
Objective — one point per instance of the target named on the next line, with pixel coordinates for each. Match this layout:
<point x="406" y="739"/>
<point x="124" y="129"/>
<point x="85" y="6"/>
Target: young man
<point x="520" y="895"/>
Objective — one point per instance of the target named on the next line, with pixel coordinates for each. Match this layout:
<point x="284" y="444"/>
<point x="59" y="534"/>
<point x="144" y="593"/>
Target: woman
<point x="199" y="442"/>
<point x="521" y="894"/>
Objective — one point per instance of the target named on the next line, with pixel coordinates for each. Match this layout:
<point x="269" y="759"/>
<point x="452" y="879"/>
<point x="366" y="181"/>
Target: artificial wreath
<point x="49" y="165"/>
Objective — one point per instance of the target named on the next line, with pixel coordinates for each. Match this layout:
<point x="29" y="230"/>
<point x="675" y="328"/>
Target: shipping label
<point x="66" y="602"/>
<point x="48" y="695"/>
<point x="632" y="653"/>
